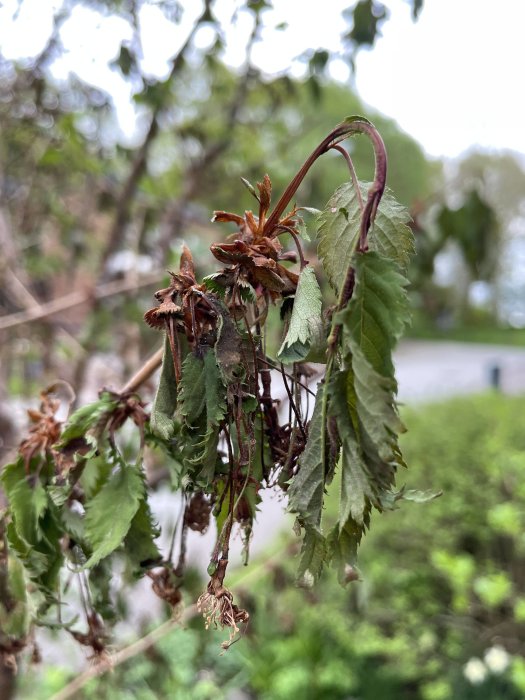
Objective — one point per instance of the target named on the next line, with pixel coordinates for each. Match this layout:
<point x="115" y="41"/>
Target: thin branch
<point x="277" y="369"/>
<point x="297" y="242"/>
<point x="347" y="128"/>
<point x="145" y="372"/>
<point x="68" y="301"/>
<point x="353" y="174"/>
<point x="292" y="403"/>
<point x="138" y="647"/>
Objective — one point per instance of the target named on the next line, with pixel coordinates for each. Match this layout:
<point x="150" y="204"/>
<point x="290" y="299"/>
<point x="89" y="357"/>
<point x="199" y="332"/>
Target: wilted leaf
<point x="356" y="481"/>
<point x="228" y="345"/>
<point x="86" y="418"/>
<point x="306" y="326"/>
<point x="15" y="612"/>
<point x="313" y="557"/>
<point x="165" y="402"/>
<point x="378" y="311"/>
<point x="306" y="490"/>
<point x="203" y="405"/>
<point x="106" y="524"/>
<point x="339" y="225"/>
<point x="139" y="542"/>
<point x="27" y="500"/>
<point x="342" y="546"/>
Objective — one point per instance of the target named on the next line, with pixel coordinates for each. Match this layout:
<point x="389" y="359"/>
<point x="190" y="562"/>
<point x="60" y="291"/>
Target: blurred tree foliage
<point x="475" y="218"/>
<point x="437" y="592"/>
<point x="88" y="225"/>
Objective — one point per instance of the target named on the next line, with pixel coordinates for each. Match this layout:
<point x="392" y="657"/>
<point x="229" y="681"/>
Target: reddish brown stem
<point x="347" y="128"/>
<point x="290" y="230"/>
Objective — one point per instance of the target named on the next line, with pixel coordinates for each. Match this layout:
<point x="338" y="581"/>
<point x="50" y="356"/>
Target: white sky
<point x="452" y="80"/>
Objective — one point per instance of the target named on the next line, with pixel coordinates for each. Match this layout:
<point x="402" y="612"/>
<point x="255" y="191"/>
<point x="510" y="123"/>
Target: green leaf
<point x="203" y="405"/>
<point x="192" y="388"/>
<point x="338" y="234"/>
<point x="307" y="487"/>
<point x="362" y="395"/>
<point x="339" y="225"/>
<point x="201" y="389"/>
<point x="306" y="327"/>
<point x="15" y="609"/>
<point x="139" y="542"/>
<point x="378" y="311"/>
<point x="217" y="283"/>
<point x="246" y="291"/>
<point x="302" y="230"/>
<point x="110" y="513"/>
<point x="86" y="418"/>
<point x="390" y="235"/>
<point x="74" y="523"/>
<point x="228" y="345"/>
<point x="165" y="402"/>
<point x="356" y="486"/>
<point x="43" y="557"/>
<point x="342" y="546"/>
<point x="27" y="500"/>
<point x="35" y="562"/>
<point x="313" y="557"/>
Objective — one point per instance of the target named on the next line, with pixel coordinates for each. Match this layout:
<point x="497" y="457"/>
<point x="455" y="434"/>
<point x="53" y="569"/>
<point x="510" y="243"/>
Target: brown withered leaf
<point x="186" y="263"/>
<point x="157" y="316"/>
<point x="166" y="585"/>
<point x="265" y="197"/>
<point x="45" y="431"/>
<point x="234" y="253"/>
<point x="225" y="216"/>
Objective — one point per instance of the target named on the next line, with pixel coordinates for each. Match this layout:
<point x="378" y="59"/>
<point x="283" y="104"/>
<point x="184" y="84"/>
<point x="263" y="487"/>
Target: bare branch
<point x="76" y="299"/>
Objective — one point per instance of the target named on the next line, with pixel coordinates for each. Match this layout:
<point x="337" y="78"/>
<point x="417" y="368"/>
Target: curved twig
<point x="289" y="229"/>
<point x="353" y="175"/>
<point x="349" y="127"/>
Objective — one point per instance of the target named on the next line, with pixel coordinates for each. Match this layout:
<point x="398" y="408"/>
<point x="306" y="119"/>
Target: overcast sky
<point x="452" y="80"/>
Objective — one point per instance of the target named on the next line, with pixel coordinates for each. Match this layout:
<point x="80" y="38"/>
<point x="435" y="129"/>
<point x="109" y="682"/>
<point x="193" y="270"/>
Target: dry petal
<point x="226" y="216"/>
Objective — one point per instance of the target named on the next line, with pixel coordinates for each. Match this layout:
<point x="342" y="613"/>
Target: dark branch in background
<point x="125" y="200"/>
<point x="138" y="168"/>
<point x="68" y="301"/>
<point x="196" y="174"/>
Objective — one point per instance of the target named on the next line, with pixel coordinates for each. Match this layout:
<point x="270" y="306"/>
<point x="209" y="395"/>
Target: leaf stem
<point x="290" y="230"/>
<point x="349" y="127"/>
<point x="353" y="175"/>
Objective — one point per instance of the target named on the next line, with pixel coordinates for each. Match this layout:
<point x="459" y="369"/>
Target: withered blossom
<point x="256" y="255"/>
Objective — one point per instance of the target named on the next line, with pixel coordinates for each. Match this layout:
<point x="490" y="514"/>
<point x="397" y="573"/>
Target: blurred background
<point x="123" y="125"/>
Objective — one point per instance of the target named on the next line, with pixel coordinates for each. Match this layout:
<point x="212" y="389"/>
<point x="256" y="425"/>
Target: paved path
<point x="429" y="371"/>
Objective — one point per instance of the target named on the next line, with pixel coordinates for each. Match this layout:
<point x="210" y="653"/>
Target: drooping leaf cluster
<point x="78" y="493"/>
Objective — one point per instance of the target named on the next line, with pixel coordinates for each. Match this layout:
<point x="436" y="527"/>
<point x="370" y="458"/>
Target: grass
<point x="491" y="335"/>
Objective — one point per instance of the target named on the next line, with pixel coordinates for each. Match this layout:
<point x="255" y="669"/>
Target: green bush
<point x="439" y="612"/>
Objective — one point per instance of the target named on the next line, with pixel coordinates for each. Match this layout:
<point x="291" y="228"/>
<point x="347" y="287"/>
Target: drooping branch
<point x="349" y="127"/>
